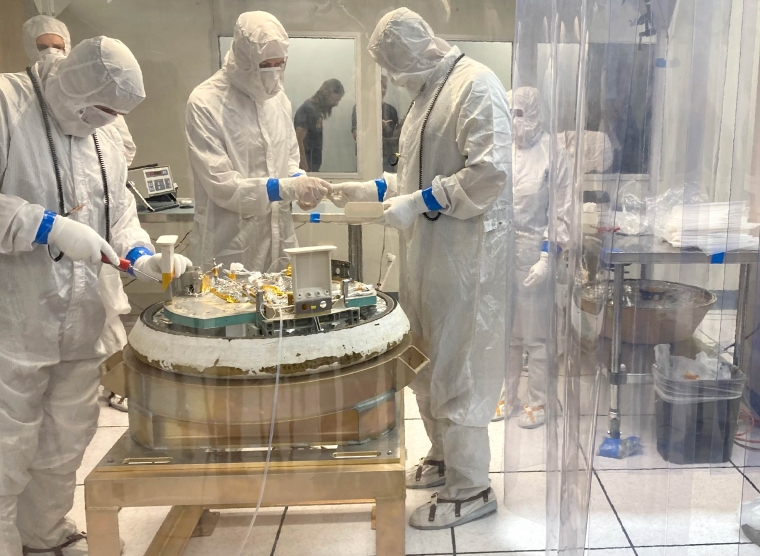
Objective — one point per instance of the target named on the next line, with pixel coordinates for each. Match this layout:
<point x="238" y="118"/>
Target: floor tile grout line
<point x="695" y="544"/>
<point x="528" y="551"/>
<point x="279" y="530"/>
<point x="614" y="511"/>
<point x="517" y="551"/>
<point x="696" y="467"/>
<point x="745" y="477"/>
<point x="517" y="472"/>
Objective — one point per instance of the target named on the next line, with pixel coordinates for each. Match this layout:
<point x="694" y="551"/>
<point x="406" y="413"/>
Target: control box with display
<point x="152" y="181"/>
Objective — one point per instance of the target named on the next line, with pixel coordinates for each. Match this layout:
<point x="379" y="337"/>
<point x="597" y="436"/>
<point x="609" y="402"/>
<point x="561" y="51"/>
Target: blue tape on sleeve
<point x="382" y="187"/>
<point x="315" y="218"/>
<point x="545" y="248"/>
<point x="430" y="201"/>
<point x="273" y="190"/>
<point x="45" y="226"/>
<point x="717" y="258"/>
<point x="297" y="174"/>
<point x="660" y="63"/>
<point x="135" y="253"/>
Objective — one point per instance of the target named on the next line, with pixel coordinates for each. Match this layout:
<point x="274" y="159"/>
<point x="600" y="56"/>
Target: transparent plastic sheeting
<point x="660" y="261"/>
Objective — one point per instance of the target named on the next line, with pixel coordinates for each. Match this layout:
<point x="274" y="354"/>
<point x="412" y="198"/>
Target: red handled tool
<point x="125" y="266"/>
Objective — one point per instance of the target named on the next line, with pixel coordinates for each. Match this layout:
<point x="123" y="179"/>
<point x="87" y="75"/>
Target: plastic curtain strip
<point x="269" y="445"/>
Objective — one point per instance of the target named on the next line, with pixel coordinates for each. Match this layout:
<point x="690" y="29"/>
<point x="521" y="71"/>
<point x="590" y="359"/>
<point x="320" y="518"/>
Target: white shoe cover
<point x="426" y="474"/>
<point x="444" y="514"/>
<point x="80" y="548"/>
<point x="504" y="411"/>
<point x="531" y="418"/>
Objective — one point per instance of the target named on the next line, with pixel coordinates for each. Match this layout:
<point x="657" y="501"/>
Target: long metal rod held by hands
<point x="125" y="266"/>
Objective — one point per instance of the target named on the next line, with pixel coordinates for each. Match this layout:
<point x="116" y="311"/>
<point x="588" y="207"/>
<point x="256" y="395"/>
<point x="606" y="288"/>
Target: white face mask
<point x="412" y="82"/>
<point x="56" y="52"/>
<point x="96" y="118"/>
<point x="524" y="134"/>
<point x="272" y="79"/>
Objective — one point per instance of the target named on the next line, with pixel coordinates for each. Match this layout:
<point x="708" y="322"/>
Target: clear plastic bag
<point x="658" y="208"/>
<point x="637" y="217"/>
<point x="680" y="380"/>
<point x="751" y="520"/>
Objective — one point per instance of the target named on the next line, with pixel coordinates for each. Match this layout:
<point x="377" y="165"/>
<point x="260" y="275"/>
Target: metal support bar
<point x="175" y="531"/>
<point x="741" y="313"/>
<point x="646" y="272"/>
<point x="615" y="368"/>
<point x="355" y="256"/>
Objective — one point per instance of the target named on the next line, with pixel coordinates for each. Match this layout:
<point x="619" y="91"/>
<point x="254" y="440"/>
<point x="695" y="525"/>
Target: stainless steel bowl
<point x="672" y="318"/>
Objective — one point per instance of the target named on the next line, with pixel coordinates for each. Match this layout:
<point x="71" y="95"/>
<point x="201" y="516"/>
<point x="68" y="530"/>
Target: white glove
<point x="402" y="211"/>
<point x="307" y="191"/>
<point x="79" y="242"/>
<point x="354" y="192"/>
<point x="538" y="272"/>
<point x="151" y="265"/>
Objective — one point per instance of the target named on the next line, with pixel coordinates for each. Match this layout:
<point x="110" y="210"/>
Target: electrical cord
<point x="56" y="167"/>
<point x="742" y="439"/>
<point x="424" y="125"/>
<point x="51" y="145"/>
<point x="106" y="199"/>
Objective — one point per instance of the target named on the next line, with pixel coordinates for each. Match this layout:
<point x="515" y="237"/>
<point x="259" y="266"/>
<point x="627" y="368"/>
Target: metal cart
<point x="647" y="251"/>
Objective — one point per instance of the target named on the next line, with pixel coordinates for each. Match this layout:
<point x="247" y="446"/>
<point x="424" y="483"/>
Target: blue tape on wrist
<point x="135" y="253"/>
<point x="315" y="218"/>
<point x="545" y="248"/>
<point x="382" y="187"/>
<point x="717" y="258"/>
<point x="273" y="190"/>
<point x="297" y="174"/>
<point x="45" y="226"/>
<point x="430" y="201"/>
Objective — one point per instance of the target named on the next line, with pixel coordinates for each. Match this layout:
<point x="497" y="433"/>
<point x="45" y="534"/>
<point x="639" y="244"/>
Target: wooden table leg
<point x="206" y="524"/>
<point x="391" y="528"/>
<point x="175" y="531"/>
<point x="103" y="532"/>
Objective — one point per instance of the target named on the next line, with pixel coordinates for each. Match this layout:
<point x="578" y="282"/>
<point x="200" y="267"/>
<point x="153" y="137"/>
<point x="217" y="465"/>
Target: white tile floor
<point x="640" y="506"/>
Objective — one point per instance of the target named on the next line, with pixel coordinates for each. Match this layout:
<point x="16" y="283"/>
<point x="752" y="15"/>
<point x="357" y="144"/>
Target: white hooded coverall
<point x="240" y="135"/>
<point x="115" y="301"/>
<point x="530" y="166"/>
<point x="51" y="314"/>
<point x="454" y="280"/>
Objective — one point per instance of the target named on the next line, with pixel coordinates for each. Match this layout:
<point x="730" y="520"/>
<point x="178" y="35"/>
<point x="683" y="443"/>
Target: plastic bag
<point x="682" y="380"/>
<point x="620" y="448"/>
<point x="703" y="367"/>
<point x="658" y="208"/>
<point x="750" y="520"/>
<point x="636" y="216"/>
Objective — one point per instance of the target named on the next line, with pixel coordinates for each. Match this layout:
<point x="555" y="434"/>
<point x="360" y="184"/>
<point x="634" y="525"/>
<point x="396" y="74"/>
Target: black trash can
<point x="697" y="419"/>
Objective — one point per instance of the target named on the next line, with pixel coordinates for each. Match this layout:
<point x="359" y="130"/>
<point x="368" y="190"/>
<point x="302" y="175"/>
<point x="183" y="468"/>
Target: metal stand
<point x="132" y="476"/>
<point x="615" y="367"/>
<point x="648" y="251"/>
<point x="355" y="251"/>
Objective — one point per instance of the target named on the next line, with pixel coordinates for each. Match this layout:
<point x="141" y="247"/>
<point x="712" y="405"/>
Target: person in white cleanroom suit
<point x="530" y="166"/>
<point x="454" y="282"/>
<point x="51" y="314"/>
<point x="46" y="36"/>
<point x="244" y="153"/>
